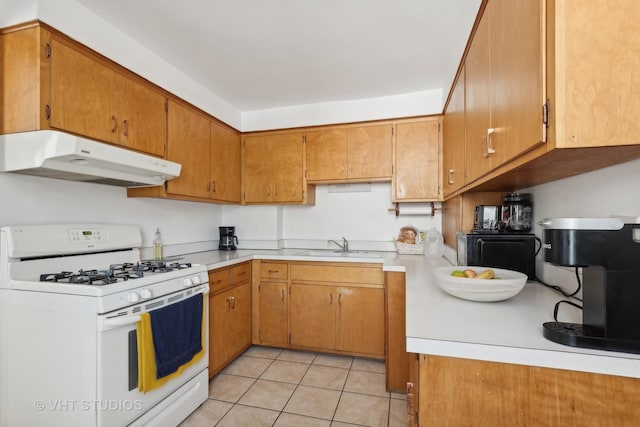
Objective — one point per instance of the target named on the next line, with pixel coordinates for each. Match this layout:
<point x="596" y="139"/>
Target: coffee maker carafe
<point x="228" y="238"/>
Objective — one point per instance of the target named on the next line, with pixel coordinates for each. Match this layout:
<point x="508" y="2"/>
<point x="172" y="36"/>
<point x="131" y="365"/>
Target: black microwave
<point x="511" y="251"/>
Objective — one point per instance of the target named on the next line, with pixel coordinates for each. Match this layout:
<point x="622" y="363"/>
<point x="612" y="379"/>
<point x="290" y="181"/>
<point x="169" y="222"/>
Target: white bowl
<point x="505" y="285"/>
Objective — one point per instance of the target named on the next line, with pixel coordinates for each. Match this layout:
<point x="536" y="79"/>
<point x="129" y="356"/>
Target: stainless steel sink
<point x="340" y="253"/>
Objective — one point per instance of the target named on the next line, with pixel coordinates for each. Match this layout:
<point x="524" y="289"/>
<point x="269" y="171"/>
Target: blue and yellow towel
<point x="170" y="340"/>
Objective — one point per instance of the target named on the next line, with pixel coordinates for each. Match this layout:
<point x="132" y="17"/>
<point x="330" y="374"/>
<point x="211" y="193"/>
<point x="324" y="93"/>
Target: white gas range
<point x="70" y="299"/>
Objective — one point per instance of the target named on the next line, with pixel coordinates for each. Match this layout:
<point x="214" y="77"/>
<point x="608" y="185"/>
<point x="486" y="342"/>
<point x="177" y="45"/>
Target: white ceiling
<point x="258" y="54"/>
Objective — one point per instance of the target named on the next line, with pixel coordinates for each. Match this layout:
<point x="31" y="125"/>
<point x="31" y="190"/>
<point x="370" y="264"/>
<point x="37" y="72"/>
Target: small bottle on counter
<point x="157" y="246"/>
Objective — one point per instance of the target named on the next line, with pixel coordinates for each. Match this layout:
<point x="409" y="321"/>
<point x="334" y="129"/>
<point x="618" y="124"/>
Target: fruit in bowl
<point x="479" y="283"/>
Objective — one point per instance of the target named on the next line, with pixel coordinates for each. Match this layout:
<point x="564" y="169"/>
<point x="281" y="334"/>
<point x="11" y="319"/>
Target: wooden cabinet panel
<point x="218" y="280"/>
<point x="327" y="155"/>
<point x="417" y="173"/>
<point x="455" y="392"/>
<point x="143" y="117"/>
<point x="83" y="97"/>
<point x="273" y="309"/>
<point x="361" y="320"/>
<point x="597" y="61"/>
<point x="517" y="92"/>
<point x="337" y="273"/>
<point x="240" y="273"/>
<point x="312" y="316"/>
<point x="230" y="314"/>
<point x="91" y="99"/>
<point x="188" y="144"/>
<point x="273" y="169"/>
<point x="370" y="151"/>
<point x="230" y="325"/>
<point x="454" y="138"/>
<point x="225" y="164"/>
<point x="477" y="98"/>
<point x="274" y="270"/>
<point x="20" y="72"/>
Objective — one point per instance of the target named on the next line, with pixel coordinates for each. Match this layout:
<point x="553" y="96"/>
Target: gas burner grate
<point x="115" y="273"/>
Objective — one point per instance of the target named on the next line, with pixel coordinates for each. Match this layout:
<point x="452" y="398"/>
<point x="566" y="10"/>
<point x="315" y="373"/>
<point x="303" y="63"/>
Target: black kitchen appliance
<point x="511" y="251"/>
<point x="488" y="217"/>
<point x="228" y="239"/>
<point x="608" y="250"/>
<point x="517" y="212"/>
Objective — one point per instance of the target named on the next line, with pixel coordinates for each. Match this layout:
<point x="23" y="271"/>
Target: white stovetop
<point x="437" y="323"/>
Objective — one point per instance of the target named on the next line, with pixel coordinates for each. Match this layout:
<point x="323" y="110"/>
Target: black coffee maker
<point x="228" y="238"/>
<point x="608" y="250"/>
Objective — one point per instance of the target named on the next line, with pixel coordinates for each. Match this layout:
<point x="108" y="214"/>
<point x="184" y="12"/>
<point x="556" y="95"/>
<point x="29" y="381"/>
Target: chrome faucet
<point x="344" y="246"/>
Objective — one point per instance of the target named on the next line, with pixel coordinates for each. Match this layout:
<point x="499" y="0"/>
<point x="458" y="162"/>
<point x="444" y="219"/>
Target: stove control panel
<point x="87" y="235"/>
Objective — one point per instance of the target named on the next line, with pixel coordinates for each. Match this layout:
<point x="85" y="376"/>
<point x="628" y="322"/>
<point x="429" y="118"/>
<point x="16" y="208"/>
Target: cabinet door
<point x="240" y="326"/>
<point x="142" y="117"/>
<point x="516" y="77"/>
<point x="453" y="146"/>
<point x="370" y="149"/>
<point x="229" y="325"/>
<point x="188" y="144"/>
<point x="312" y="316"/>
<point x="274" y="328"/>
<point x="83" y="94"/>
<point x="477" y="93"/>
<point x="225" y="164"/>
<point x="273" y="169"/>
<point x="417" y="166"/>
<point x="326" y="155"/>
<point x="360" y="324"/>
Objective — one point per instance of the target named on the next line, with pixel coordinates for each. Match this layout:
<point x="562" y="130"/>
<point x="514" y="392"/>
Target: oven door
<point x="119" y="401"/>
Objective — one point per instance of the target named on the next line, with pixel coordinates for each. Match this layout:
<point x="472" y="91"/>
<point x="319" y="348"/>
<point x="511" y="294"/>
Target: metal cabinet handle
<point x="273" y="271"/>
<point x="126" y="127"/>
<point x="282" y="295"/>
<point x="213" y="186"/>
<point x="115" y="124"/>
<point x="339" y="299"/>
<point x="233" y="302"/>
<point x="450" y="176"/>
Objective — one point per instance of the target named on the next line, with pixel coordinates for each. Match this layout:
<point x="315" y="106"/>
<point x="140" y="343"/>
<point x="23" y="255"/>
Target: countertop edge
<point x="591" y="363"/>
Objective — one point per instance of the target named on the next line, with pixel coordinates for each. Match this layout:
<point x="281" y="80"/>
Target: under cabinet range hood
<point x="61" y="155"/>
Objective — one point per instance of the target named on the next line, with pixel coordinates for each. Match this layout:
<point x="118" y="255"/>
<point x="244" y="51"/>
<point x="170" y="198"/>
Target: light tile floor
<point x="281" y="388"/>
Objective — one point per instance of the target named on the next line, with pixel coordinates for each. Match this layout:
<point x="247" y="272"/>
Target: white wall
<point x="605" y="192"/>
<point x="406" y="105"/>
<point x="34" y="200"/>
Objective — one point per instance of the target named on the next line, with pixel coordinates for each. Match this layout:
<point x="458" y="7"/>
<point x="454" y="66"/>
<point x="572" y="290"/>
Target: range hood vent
<point x="60" y="155"/>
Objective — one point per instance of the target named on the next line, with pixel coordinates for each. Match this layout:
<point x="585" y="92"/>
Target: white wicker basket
<point x="409" y="249"/>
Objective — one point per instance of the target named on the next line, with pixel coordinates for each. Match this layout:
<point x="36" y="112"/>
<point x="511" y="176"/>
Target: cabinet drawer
<point x="240" y="273"/>
<point x="218" y="279"/>
<point x="273" y="270"/>
<point x="340" y="274"/>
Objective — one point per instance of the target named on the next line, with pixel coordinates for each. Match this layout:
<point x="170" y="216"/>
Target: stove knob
<point x="145" y="293"/>
<point x="187" y="282"/>
<point x="195" y="280"/>
<point x="133" y="297"/>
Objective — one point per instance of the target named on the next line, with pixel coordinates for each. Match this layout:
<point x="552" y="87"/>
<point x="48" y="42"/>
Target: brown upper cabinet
<point x="504" y="85"/>
<point x="417" y="161"/>
<point x="538" y="80"/>
<point x="52" y="82"/>
<point x="209" y="153"/>
<point x="349" y="154"/>
<point x="453" y="123"/>
<point x="273" y="169"/>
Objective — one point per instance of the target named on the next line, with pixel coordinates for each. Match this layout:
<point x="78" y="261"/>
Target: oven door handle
<point x="117" y="322"/>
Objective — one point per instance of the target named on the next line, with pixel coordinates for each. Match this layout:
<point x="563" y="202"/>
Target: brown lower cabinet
<point x="342" y="308"/>
<point x="229" y="314"/>
<point x="446" y="391"/>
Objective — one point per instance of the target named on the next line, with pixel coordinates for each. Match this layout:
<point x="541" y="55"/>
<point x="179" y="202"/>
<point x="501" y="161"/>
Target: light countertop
<point x="437" y="323"/>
